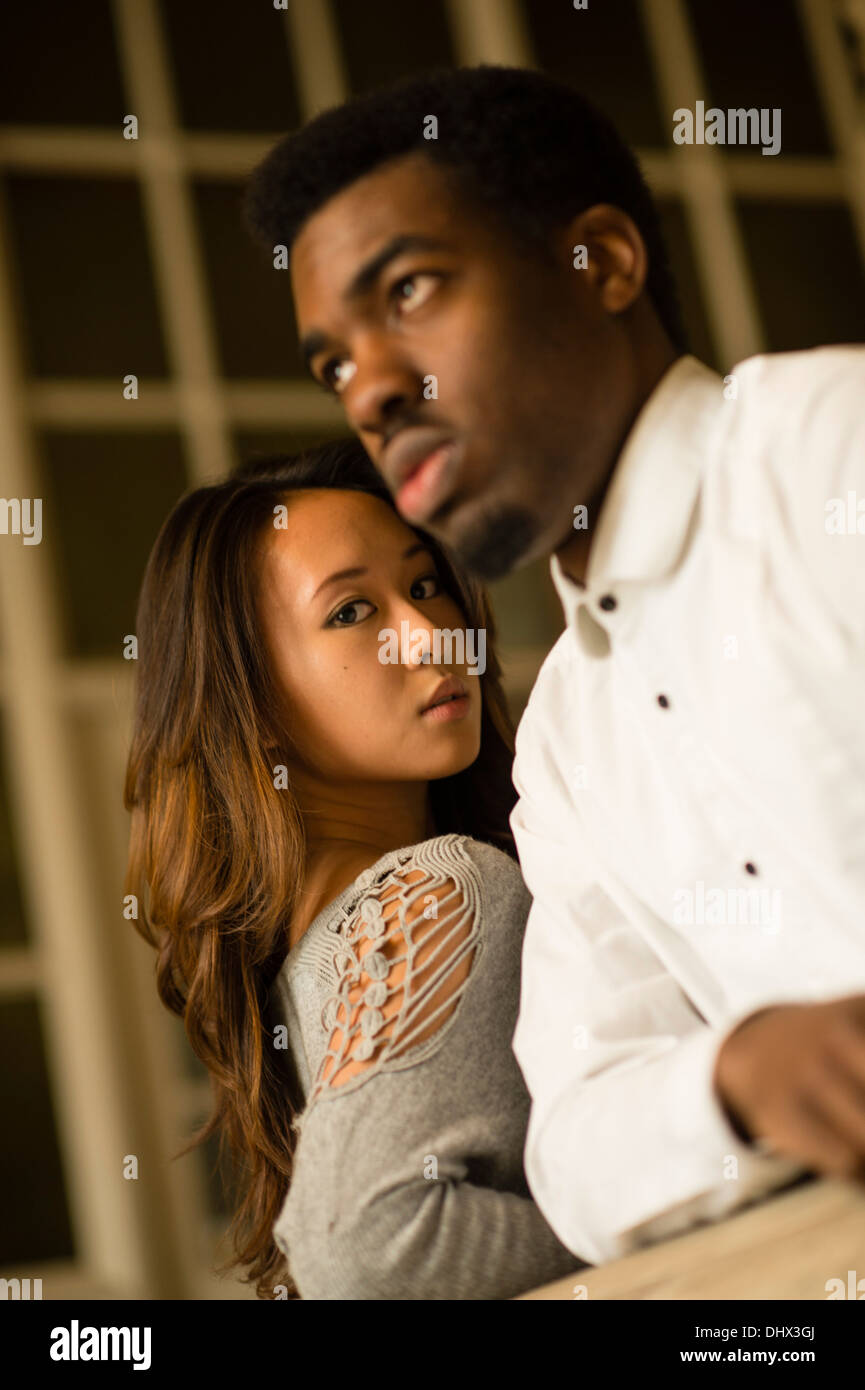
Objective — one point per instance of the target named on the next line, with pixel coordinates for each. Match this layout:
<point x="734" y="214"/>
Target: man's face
<point x="503" y="371"/>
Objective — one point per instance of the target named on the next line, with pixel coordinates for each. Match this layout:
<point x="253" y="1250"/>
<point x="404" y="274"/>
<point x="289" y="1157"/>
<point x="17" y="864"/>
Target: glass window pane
<point x="678" y="240"/>
<point x="59" y="65"/>
<point x="108" y="494"/>
<point x="230" y="75"/>
<point x="14" y="928"/>
<point x="250" y="445"/>
<point x="807" y="271"/>
<point x="527" y="609"/>
<point x="250" y="300"/>
<point x="602" y="52"/>
<point x="36" y="1223"/>
<point x="755" y="55"/>
<point x="383" y="40"/>
<point x="82" y="266"/>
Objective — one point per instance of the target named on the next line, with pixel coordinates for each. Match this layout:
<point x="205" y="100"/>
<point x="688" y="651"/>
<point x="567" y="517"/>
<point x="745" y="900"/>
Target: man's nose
<point x="383" y="384"/>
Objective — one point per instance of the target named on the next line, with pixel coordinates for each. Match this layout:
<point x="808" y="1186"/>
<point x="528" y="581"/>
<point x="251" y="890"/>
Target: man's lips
<point x="428" y="486"/>
<point x="420" y="464"/>
<point x="407" y="450"/>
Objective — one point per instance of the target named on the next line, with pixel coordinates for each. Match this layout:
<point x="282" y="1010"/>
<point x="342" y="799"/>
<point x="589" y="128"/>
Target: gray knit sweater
<point x="399" y="1004"/>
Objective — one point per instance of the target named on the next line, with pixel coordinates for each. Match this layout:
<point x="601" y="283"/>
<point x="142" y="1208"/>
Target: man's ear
<point x="608" y="248"/>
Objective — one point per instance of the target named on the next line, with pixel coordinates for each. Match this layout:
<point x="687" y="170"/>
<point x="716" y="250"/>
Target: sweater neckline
<point x="344" y="902"/>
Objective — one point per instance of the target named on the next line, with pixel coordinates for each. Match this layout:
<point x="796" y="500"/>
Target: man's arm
<point x="628" y="1141"/>
<point x="816" y="504"/>
<point x="795" y="1073"/>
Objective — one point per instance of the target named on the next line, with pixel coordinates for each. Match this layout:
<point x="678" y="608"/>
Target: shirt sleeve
<point x="627" y="1141"/>
<point x="815" y="512"/>
<point x="382" y="1203"/>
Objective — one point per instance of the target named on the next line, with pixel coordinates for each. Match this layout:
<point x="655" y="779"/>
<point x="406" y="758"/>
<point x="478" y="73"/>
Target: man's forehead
<point x="405" y="196"/>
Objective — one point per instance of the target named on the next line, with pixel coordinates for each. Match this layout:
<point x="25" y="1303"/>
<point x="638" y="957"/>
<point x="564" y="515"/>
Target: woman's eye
<point x="427" y="579"/>
<point x="419" y="295"/>
<point x="347" y="607"/>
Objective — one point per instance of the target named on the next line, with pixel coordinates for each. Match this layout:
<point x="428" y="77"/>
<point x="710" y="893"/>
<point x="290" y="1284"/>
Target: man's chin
<point x="493" y="544"/>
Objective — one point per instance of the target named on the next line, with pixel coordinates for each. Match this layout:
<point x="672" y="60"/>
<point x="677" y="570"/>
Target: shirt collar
<point x="650" y="500"/>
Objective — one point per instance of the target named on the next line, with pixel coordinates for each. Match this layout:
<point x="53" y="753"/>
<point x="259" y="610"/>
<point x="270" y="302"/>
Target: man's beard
<point x="496" y="543"/>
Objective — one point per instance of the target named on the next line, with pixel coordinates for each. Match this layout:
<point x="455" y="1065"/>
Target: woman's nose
<point x="416" y="633"/>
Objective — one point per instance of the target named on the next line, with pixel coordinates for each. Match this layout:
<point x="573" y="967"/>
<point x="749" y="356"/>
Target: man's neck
<point x="575" y="552"/>
<point x="573" y="556"/>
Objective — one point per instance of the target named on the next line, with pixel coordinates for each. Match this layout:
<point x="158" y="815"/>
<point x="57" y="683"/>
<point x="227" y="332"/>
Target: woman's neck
<point x="348" y="829"/>
<point x="363" y="817"/>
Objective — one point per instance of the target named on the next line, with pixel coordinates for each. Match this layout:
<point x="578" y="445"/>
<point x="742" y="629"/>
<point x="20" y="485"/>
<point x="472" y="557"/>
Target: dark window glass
<point x="82" y="266"/>
<point x="251" y="301"/>
<point x="755" y="55"/>
<point x="678" y="241"/>
<point x="807" y="271"/>
<point x="602" y="52"/>
<point x="105" y="495"/>
<point x="59" y="65"/>
<point x="527" y="609"/>
<point x="231" y="65"/>
<point x="13" y="921"/>
<point x="250" y="445"/>
<point x="36" y="1224"/>
<point x="382" y="40"/>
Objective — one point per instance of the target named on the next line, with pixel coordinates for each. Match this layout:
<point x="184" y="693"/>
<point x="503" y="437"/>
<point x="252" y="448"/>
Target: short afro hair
<point x="521" y="146"/>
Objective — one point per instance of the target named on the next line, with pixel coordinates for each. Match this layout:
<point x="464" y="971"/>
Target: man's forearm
<point x="639" y="1154"/>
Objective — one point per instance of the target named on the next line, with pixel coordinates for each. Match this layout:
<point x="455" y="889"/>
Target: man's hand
<point x="794" y="1075"/>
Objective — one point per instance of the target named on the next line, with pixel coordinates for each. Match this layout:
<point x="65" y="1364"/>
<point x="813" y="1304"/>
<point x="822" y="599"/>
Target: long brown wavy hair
<point x="217" y="854"/>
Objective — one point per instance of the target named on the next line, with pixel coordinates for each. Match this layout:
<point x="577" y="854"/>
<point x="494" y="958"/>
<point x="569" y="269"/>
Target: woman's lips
<point x="428" y="486"/>
<point x="450" y="709"/>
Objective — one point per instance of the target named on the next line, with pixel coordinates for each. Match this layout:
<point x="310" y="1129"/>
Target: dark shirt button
<point x="608" y="603"/>
<point x="750" y="868"/>
<point x="663" y="702"/>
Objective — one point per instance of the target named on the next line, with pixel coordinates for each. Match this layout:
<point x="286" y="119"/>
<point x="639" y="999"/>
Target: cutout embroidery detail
<point x="403" y="961"/>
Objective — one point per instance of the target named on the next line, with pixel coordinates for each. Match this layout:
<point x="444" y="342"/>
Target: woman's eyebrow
<point x="365" y="277"/>
<point x="356" y="570"/>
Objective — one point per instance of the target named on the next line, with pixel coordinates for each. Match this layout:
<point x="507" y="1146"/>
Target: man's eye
<point x="346" y="607"/>
<point x="427" y="579"/>
<point x="420" y="293"/>
<point x="336" y="372"/>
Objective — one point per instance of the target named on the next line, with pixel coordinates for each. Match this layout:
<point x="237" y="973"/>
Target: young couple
<point x="448" y="1069"/>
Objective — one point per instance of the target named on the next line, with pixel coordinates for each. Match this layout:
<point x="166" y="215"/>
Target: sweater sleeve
<point x="387" y="1200"/>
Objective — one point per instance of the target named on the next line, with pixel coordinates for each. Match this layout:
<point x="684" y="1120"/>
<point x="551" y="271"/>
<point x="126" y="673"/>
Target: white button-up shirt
<point x="691" y="778"/>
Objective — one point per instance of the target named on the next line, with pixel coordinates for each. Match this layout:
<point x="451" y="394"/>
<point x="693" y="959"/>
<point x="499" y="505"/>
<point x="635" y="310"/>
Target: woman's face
<point x="353" y="715"/>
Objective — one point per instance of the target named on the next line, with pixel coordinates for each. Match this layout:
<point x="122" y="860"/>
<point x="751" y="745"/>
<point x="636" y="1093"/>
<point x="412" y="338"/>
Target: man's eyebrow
<point x="364" y="278"/>
<point x="362" y="569"/>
